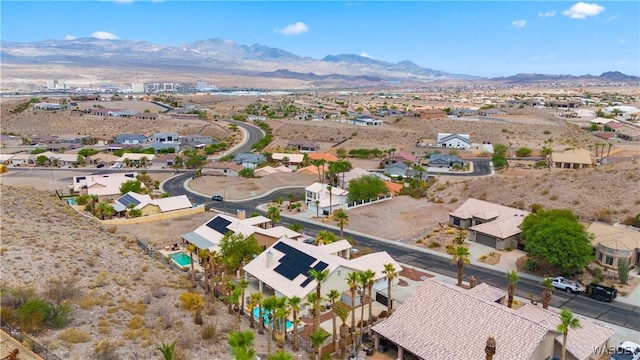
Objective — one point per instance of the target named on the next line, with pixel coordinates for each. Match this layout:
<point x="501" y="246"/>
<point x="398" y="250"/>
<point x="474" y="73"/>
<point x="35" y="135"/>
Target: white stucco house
<point x="328" y="201"/>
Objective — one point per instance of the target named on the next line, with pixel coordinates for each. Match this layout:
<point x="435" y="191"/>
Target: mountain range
<point x="218" y="56"/>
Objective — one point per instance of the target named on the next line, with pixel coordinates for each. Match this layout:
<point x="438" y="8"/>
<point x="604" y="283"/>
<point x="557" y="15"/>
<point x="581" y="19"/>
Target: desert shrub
<point x="58" y="316"/>
<point x="191" y="301"/>
<point x="74" y="336"/>
<point x="523" y="152"/>
<point x="136" y="322"/>
<point x="623" y="271"/>
<point x="434" y="244"/>
<point x="483" y="257"/>
<point x="450" y="232"/>
<point x="598" y="277"/>
<point x="209" y="332"/>
<point x="58" y="290"/>
<point x="105" y="350"/>
<point x="383" y="314"/>
<point x="197" y="319"/>
<point x="508" y="248"/>
<point x="531" y="265"/>
<point x="32" y="315"/>
<point x="3" y="169"/>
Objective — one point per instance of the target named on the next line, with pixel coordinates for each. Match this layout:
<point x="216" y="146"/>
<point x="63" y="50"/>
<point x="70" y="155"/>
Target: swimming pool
<point x="181" y="259"/>
<point x="256" y="314"/>
<point x="72" y="201"/>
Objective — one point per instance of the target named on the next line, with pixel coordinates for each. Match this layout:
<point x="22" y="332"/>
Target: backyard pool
<point x="181" y="258"/>
<point x="256" y="314"/>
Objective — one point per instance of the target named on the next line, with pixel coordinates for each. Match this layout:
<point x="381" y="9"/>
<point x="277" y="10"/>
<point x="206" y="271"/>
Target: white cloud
<point x="104" y="35"/>
<point x="69" y="37"/>
<point x="611" y="18"/>
<point x="294" y="29"/>
<point x="519" y="23"/>
<point x="364" y="54"/>
<point x="547" y="14"/>
<point x="583" y="10"/>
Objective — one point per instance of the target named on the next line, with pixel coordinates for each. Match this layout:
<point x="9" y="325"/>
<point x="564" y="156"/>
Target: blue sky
<point x="490" y="39"/>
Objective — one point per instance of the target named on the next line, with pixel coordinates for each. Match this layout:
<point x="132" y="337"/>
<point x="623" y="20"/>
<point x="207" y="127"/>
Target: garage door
<point x="485" y="240"/>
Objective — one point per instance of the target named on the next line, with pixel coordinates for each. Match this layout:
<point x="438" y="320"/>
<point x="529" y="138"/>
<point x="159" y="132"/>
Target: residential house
<point x="328" y="201"/>
<point x="149" y="206"/>
<point x="73" y="139"/>
<point x="268" y="170"/>
<point x="59" y="159"/>
<point x="48" y="106"/>
<point x="628" y="133"/>
<point x="136" y="158"/>
<point x="400" y="156"/>
<point x="209" y="235"/>
<point x="10" y="140"/>
<point x="445" y="161"/>
<point x="164" y="138"/>
<point x="460" y="331"/>
<point x="397" y="169"/>
<point x="356" y="172"/>
<point x="257" y="118"/>
<point x="249" y="160"/>
<point x="146" y="116"/>
<point x="563" y="104"/>
<point x="491" y="224"/>
<point x="284" y="268"/>
<point x="455" y="141"/>
<point x="197" y="141"/>
<point x="164" y="160"/>
<point x="105" y="186"/>
<point x="303" y="145"/>
<point x="365" y="120"/>
<point x="322" y="156"/>
<point x="107" y="159"/>
<point x="129" y="139"/>
<point x="492" y="112"/>
<point x="221" y="168"/>
<point x="290" y="160"/>
<point x="613" y="243"/>
<point x="21" y="159"/>
<point x="571" y="159"/>
<point x="432" y="114"/>
<point x="6" y="158"/>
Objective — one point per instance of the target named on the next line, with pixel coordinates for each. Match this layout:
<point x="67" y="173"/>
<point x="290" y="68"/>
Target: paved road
<point x="616" y="313"/>
<point x="255" y="134"/>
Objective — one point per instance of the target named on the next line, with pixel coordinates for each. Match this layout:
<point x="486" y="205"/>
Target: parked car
<point x="100" y="166"/>
<point x="217" y="198"/>
<point x="627" y="350"/>
<point x="601" y="292"/>
<point x="117" y="165"/>
<point x="567" y="285"/>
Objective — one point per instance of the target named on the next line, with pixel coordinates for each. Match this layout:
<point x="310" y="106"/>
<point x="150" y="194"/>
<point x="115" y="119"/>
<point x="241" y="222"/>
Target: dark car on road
<point x="100" y="166"/>
<point x="217" y="198"/>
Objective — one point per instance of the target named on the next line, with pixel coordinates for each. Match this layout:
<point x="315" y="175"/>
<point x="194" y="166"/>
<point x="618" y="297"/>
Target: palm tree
<point x="205" y="255"/>
<point x="567" y="321"/>
<point x="391" y="273"/>
<point x="460" y="256"/>
<point x="259" y="301"/>
<point x="273" y="213"/>
<point x="294" y="305"/>
<point x="253" y="303"/>
<point x="332" y="296"/>
<point x="352" y="281"/>
<point x="319" y="277"/>
<point x="317" y="203"/>
<point x="192" y="248"/>
<point x="242" y="345"/>
<point x="269" y="304"/>
<point x="546" y="293"/>
<point x="329" y="188"/>
<point x="512" y="277"/>
<point x="242" y="284"/>
<point x="167" y="350"/>
<point x="364" y="277"/>
<point x="317" y="338"/>
<point x="342" y="311"/>
<point x="370" y="275"/>
<point x="229" y="286"/>
<point x="325" y="237"/>
<point x="341" y="217"/>
<point x="235" y="300"/>
<point x="282" y="312"/>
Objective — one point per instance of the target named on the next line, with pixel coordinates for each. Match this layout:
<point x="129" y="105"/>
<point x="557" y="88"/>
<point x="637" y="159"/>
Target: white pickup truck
<point x="569" y="286"/>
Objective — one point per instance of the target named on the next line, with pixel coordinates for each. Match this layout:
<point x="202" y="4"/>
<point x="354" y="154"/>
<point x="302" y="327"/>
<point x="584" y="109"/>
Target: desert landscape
<point x="124" y="302"/>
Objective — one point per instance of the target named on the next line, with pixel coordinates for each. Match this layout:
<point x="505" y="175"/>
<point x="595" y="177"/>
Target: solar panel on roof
<point x="219" y="224"/>
<point x="127" y="199"/>
<point x="321" y="266"/>
<point x="306" y="282"/>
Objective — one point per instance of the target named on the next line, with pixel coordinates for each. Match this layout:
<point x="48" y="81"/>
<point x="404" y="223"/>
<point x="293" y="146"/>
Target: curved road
<point x="618" y="313"/>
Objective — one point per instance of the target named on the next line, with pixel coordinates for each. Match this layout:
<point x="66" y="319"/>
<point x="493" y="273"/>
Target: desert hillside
<point x="607" y="192"/>
<point x="119" y="293"/>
